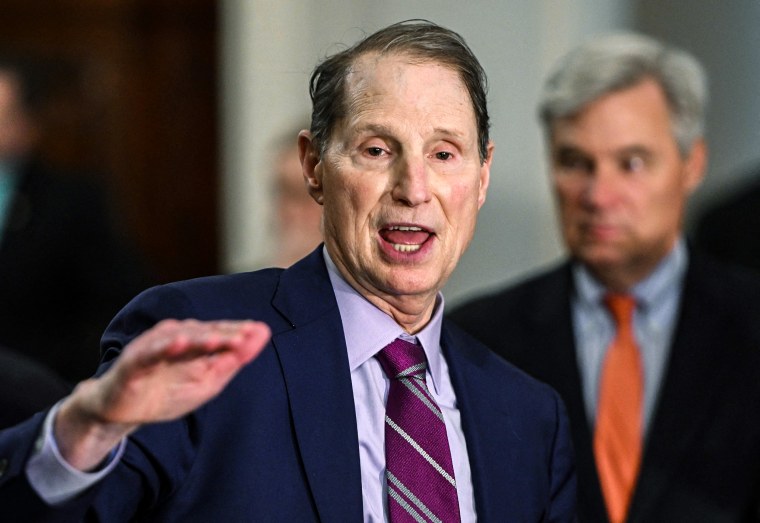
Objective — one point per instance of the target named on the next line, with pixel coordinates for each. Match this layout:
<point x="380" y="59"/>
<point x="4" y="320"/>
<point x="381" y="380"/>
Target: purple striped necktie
<point x="419" y="471"/>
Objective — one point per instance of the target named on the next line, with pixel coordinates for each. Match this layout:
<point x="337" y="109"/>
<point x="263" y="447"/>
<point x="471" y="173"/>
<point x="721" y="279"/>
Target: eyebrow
<point x="373" y="128"/>
<point x="450" y="132"/>
<point x="568" y="149"/>
<point x="565" y="149"/>
<point x="640" y="150"/>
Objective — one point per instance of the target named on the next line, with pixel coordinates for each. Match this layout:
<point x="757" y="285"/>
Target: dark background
<point x="131" y="88"/>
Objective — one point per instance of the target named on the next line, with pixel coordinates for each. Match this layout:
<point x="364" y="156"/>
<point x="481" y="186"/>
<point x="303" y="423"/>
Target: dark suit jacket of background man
<point x="702" y="455"/>
<point x="64" y="271"/>
<point x="280" y="442"/>
<point x="26" y="387"/>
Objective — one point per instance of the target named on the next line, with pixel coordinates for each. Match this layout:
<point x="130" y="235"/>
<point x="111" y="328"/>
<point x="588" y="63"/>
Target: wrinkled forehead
<point x="387" y="70"/>
<point x="377" y="81"/>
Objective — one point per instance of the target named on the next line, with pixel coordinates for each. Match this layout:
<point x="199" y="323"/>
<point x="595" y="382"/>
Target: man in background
<point x="64" y="268"/>
<point x="655" y="350"/>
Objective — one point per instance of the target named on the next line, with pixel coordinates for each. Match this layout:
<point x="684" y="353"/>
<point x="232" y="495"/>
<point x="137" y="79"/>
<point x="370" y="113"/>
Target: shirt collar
<point x="367" y="329"/>
<point x="668" y="275"/>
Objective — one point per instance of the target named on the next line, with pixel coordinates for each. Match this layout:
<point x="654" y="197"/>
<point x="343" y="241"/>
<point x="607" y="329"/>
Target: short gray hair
<point x="617" y="62"/>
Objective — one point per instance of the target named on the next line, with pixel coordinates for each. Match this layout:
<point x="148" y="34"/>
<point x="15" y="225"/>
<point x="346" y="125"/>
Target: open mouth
<point x="405" y="238"/>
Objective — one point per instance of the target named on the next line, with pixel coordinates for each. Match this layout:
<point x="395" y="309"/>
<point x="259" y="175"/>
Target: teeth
<point x="406" y="248"/>
<point x="405" y="228"/>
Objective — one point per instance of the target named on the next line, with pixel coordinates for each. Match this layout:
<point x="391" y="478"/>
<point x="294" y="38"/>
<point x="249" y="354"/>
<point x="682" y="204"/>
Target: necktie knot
<point x="402" y="359"/>
<point x="621" y="306"/>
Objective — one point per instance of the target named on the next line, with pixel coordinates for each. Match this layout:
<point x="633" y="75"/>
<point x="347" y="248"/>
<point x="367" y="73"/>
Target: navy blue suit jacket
<point x="280" y="442"/>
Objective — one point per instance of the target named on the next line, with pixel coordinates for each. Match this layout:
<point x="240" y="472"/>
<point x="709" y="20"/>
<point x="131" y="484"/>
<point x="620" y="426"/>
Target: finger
<point x="173" y="340"/>
<point x="246" y="342"/>
<point x="256" y="337"/>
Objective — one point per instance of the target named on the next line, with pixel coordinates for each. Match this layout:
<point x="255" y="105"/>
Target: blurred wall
<point x="725" y="37"/>
<point x="269" y="50"/>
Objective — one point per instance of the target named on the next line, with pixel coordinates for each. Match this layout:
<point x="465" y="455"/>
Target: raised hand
<point x="163" y="374"/>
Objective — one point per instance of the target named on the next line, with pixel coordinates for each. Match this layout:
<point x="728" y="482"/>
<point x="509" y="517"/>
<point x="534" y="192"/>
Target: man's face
<point x="401" y="180"/>
<point x="621" y="183"/>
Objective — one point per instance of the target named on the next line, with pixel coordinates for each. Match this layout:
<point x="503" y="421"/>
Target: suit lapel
<point x="315" y="365"/>
<point x="490" y="471"/>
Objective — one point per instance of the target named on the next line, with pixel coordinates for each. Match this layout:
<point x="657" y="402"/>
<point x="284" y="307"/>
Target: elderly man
<point x="399" y="156"/>
<point x="654" y="350"/>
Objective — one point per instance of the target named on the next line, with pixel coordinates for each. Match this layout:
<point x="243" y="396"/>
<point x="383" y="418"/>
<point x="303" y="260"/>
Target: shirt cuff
<point x="54" y="480"/>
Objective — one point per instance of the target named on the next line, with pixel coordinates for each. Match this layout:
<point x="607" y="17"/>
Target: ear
<point x="695" y="165"/>
<point x="311" y="165"/>
<point x="485" y="175"/>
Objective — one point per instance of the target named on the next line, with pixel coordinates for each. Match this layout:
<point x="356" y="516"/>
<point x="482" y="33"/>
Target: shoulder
<point x="265" y="295"/>
<point x="519" y="300"/>
<point x="721" y="282"/>
<point x="734" y="208"/>
<point x="210" y="295"/>
<point x="229" y="297"/>
<point x="530" y="287"/>
<point x="722" y="294"/>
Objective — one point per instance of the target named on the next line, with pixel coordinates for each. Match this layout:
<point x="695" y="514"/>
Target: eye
<point x="375" y="151"/>
<point x="444" y="155"/>
<point x="633" y="164"/>
<point x="572" y="161"/>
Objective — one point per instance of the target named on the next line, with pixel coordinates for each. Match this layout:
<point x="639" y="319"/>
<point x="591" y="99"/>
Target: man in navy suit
<point x="201" y="413"/>
<point x="624" y="120"/>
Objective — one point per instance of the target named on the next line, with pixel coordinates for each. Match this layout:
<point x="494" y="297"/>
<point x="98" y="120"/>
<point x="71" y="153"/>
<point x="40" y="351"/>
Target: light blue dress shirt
<point x="657" y="304"/>
<point x="367" y="330"/>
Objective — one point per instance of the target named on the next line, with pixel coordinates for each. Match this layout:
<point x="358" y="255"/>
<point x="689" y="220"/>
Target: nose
<point x="602" y="187"/>
<point x="411" y="184"/>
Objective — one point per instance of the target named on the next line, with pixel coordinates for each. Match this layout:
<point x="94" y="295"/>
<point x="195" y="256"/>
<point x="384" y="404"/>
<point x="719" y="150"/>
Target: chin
<point x="410" y="282"/>
<point x="600" y="258"/>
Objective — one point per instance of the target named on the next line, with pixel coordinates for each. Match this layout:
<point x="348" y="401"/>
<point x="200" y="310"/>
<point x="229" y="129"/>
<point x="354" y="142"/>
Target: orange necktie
<point x="617" y="438"/>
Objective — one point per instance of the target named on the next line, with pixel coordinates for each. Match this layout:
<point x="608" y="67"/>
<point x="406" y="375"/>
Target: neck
<point x="410" y="311"/>
<point x="412" y="315"/>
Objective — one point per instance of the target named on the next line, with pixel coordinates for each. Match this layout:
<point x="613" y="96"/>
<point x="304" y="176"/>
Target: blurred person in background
<point x="297" y="216"/>
<point x="64" y="268"/>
